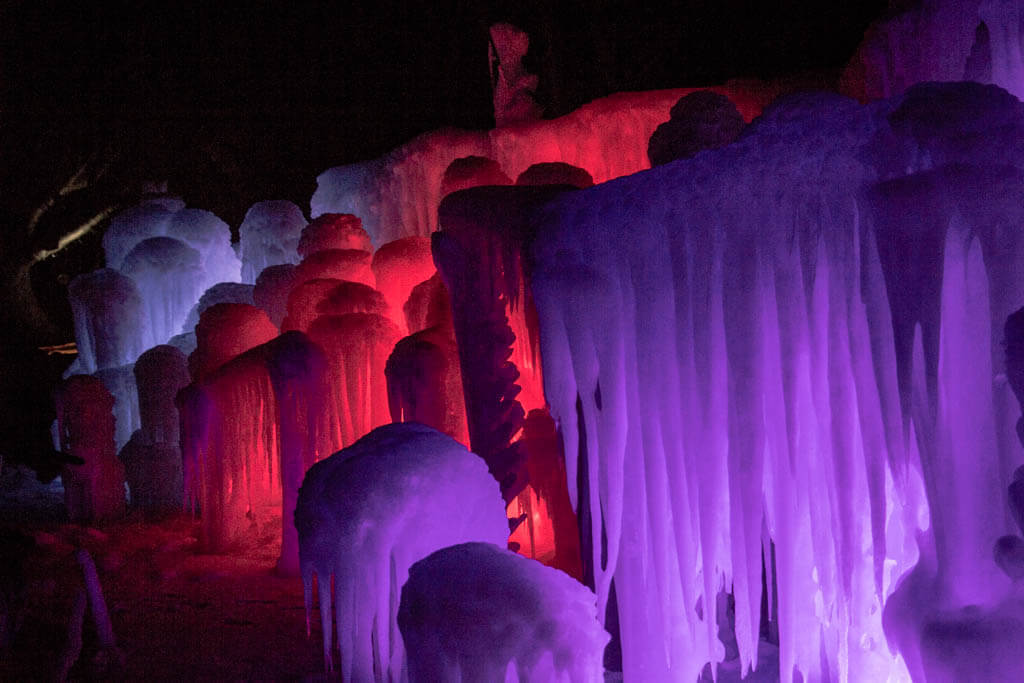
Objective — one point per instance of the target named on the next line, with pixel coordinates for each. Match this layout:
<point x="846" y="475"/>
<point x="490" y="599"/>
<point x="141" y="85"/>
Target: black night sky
<point x="236" y="106"/>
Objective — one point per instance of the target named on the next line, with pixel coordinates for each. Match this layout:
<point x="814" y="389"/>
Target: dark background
<point x="236" y="106"/>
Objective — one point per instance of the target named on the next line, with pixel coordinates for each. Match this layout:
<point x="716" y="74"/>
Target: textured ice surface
<point x="108" y="314"/>
<point x="797" y="337"/>
<point x="304" y="301"/>
<point x="269" y="236"/>
<point x="367" y="513"/>
<point x="473" y="611"/>
<point x="397" y="195"/>
<point x="170" y="278"/>
<point x="120" y="382"/>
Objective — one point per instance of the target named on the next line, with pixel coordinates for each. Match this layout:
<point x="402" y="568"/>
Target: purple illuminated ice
<point x="131" y="226"/>
<point x="109" y="319"/>
<point x="367" y="513"/>
<point x="211" y="237"/>
<point x="170" y="278"/>
<point x="476" y="612"/>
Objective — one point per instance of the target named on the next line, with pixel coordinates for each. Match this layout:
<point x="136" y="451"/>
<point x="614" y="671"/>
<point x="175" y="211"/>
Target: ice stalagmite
<point x="269" y="236"/>
<point x="226" y="331"/>
<point x="789" y="349"/>
<point x="474" y="612"/>
<point x="366" y="514"/>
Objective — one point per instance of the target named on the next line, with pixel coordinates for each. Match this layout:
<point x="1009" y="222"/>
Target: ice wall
<point x="397" y="195"/>
<point x="109" y="319"/>
<point x="366" y="514"/>
<point x="795" y="339"/>
<point x="940" y="40"/>
<point x="473" y="612"/>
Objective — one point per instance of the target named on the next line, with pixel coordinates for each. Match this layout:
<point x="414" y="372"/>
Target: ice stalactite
<point x="398" y="267"/>
<point x="152" y="458"/>
<point x="226" y="331"/>
<point x="357" y="346"/>
<point x="93" y="491"/>
<point x="398" y="195"/>
<point x="366" y="514"/>
<point x="269" y="236"/>
<point x="784" y="348"/>
<point x="474" y="612"/>
<point x="170" y="278"/>
<point x="108" y="314"/>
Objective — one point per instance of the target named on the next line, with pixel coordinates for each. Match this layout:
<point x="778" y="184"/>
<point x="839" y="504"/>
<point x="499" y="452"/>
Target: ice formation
<point x="398" y="267"/>
<point x="366" y="514"/>
<point x="226" y="331"/>
<point x="790" y="349"/>
<point x="513" y="87"/>
<point x="152" y="458"/>
<point x="397" y="195"/>
<point x="340" y="264"/>
<point x="555" y="173"/>
<point x="357" y="346"/>
<point x="220" y="293"/>
<point x="940" y="40"/>
<point x="93" y="491"/>
<point x="230" y="449"/>
<point x="109" y="319"/>
<point x="333" y="231"/>
<point x="170" y="278"/>
<point x="269" y="236"/>
<point x="120" y="382"/>
<point x="474" y="612"/>
<point x="211" y="237"/>
<point x="131" y="226"/>
<point x="472" y="171"/>
<point x="271" y="291"/>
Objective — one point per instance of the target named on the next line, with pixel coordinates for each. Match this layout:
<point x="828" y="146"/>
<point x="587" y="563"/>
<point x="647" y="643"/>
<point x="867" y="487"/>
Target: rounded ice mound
<point x="701" y="120"/>
<point x="226" y="331"/>
<point x="399" y="266"/>
<point x="472" y="171"/>
<point x="368" y="512"/>
<point x="271" y="291"/>
<point x="334" y="231"/>
<point x="131" y="226"/>
<point x="269" y="236"/>
<point x="211" y="237"/>
<point x="473" y="611"/>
